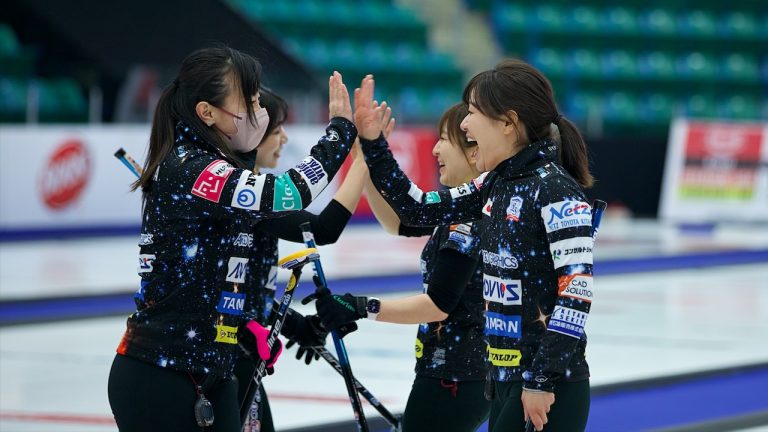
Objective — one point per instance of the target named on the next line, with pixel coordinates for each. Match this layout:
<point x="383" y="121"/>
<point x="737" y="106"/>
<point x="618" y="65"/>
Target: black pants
<point x="244" y="370"/>
<point x="569" y="413"/>
<point x="445" y="406"/>
<point x="147" y="398"/>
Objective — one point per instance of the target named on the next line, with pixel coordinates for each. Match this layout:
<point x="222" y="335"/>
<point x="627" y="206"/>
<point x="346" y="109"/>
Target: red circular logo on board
<point x="66" y="175"/>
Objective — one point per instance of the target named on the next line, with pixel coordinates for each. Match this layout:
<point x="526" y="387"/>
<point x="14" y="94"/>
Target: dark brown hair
<point x="276" y="107"/>
<point x="205" y="75"/>
<point x="514" y="85"/>
<point x="451" y="123"/>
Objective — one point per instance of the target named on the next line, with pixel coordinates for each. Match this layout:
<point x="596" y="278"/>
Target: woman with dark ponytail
<point x="173" y="368"/>
<point x="536" y="243"/>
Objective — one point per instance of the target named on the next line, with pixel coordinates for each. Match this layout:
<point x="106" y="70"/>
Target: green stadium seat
<point x="317" y="53"/>
<point x="739" y="107"/>
<point x="741" y="68"/>
<point x="698" y="23"/>
<point x="658" y="21"/>
<point x="379" y="56"/>
<point x="347" y="53"/>
<point x="341" y="11"/>
<point x="584" y="62"/>
<point x="700" y="106"/>
<point x="510" y="17"/>
<point x="9" y="45"/>
<point x="619" y="63"/>
<point x="697" y="65"/>
<point x="619" y="20"/>
<point x="13" y="100"/>
<point x="550" y="62"/>
<point x="549" y="18"/>
<point x="657" y="108"/>
<point x="584" y="19"/>
<point x="620" y="107"/>
<point x="739" y="24"/>
<point x="657" y="65"/>
<point x="579" y="105"/>
<point x="412" y="103"/>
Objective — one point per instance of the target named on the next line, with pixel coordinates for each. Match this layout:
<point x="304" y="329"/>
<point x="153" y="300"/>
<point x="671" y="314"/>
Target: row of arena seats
<point x="60" y="99"/>
<point x="651" y="65"/>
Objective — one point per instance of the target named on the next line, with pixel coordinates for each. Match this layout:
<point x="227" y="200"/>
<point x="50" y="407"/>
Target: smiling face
<point x="270" y="148"/>
<point x="492" y="137"/>
<point x="454" y="161"/>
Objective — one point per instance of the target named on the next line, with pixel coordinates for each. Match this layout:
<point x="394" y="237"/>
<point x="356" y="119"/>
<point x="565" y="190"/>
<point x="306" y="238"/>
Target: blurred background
<point x="671" y="95"/>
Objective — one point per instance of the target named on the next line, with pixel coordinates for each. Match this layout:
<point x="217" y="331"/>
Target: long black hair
<point x="514" y="85"/>
<point x="276" y="107"/>
<point x="207" y="75"/>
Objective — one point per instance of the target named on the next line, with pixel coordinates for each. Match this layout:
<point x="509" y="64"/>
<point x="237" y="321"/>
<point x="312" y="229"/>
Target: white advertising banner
<point x="66" y="177"/>
<point x="716" y="172"/>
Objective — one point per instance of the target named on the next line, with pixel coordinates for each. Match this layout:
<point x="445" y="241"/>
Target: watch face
<point x="373" y="306"/>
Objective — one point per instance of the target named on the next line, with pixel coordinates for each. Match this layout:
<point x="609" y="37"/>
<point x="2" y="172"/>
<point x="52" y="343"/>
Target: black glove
<point x="335" y="310"/>
<point x="307" y="331"/>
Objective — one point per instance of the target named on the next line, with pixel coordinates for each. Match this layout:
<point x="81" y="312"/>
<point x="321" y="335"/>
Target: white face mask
<point x="248" y="136"/>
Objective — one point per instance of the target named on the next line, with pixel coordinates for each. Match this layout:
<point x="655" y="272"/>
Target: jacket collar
<point x="531" y="157"/>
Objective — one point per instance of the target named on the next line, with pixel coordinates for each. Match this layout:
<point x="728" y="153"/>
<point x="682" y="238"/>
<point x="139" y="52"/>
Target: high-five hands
<point x="338" y="98"/>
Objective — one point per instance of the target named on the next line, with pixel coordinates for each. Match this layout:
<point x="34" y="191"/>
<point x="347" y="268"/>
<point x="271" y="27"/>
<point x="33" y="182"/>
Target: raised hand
<point x="367" y="115"/>
<point x="338" y="98"/>
<point x="387" y="122"/>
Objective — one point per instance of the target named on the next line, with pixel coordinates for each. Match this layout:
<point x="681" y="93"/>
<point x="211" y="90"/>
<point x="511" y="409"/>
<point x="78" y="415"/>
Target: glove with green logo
<point x="337" y="310"/>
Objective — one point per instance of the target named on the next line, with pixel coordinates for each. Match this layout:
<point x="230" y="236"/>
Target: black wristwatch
<point x="373" y="307"/>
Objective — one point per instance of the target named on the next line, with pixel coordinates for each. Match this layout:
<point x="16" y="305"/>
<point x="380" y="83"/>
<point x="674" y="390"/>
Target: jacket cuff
<point x="541" y="383"/>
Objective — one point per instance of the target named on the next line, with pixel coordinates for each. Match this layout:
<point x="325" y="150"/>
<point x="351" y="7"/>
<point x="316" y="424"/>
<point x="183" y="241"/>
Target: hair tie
<point x="556" y="119"/>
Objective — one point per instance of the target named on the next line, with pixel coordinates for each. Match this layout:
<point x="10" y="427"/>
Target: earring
<point x="209" y="124"/>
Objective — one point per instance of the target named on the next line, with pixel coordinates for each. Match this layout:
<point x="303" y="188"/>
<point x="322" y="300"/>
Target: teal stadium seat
<point x="658" y="22"/>
<point x="740" y="107"/>
<point x="620" y="107"/>
<point x="580" y="105"/>
<point x="619" y="63"/>
<point x="412" y="104"/>
<point x="657" y="108"/>
<point x="551" y="62"/>
<point x="656" y="65"/>
<point x="548" y="18"/>
<point x="740" y="25"/>
<point x="510" y="17"/>
<point x="697" y="65"/>
<point x="698" y="23"/>
<point x="9" y="45"/>
<point x="13" y="100"/>
<point x="619" y="20"/>
<point x="584" y="19"/>
<point x="740" y="68"/>
<point x="700" y="106"/>
<point x="377" y="55"/>
<point x="348" y="53"/>
<point x="585" y="63"/>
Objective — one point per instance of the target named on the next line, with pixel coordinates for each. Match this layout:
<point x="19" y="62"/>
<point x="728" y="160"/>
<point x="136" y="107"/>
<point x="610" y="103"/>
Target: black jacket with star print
<point x="195" y="247"/>
<point x="536" y="253"/>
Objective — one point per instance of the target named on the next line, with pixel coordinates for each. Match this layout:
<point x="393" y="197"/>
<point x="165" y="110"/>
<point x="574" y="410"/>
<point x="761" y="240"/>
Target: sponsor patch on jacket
<point x="248" y="191"/>
<point x="146" y="263"/>
<point x="226" y="334"/>
<point x="415" y="193"/>
<point x="577" y="286"/>
<point x="514" y="208"/>
<point x="236" y="269"/>
<point x="313" y="174"/>
<point x="231" y="303"/>
<point x="577" y="250"/>
<point x="478" y="181"/>
<point x="567" y="321"/>
<point x="243" y="240"/>
<point x="286" y="195"/>
<point x="504" y="291"/>
<point x="497" y="324"/>
<point x="488" y="207"/>
<point x="460" y="191"/>
<point x="504" y="357"/>
<point x="566" y="214"/>
<point x="432" y="198"/>
<point x="271" y="283"/>
<point x="210" y="183"/>
<point x="146" y="239"/>
<point x="498" y="260"/>
<point x="419" y="348"/>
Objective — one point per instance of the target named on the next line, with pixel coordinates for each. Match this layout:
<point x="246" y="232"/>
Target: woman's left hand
<point x="536" y="405"/>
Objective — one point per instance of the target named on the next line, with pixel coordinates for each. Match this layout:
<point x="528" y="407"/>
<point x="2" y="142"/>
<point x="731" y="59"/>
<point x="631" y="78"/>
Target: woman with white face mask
<point x="327" y="226"/>
<point x="181" y="344"/>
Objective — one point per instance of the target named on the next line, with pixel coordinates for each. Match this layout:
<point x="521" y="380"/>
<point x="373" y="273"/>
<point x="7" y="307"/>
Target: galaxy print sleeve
<point x="412" y="205"/>
<point x="220" y="189"/>
<point x="567" y="220"/>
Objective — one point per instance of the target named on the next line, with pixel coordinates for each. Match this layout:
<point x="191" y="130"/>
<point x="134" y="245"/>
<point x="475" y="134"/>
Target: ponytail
<point x="161" y="137"/>
<point x="573" y="153"/>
